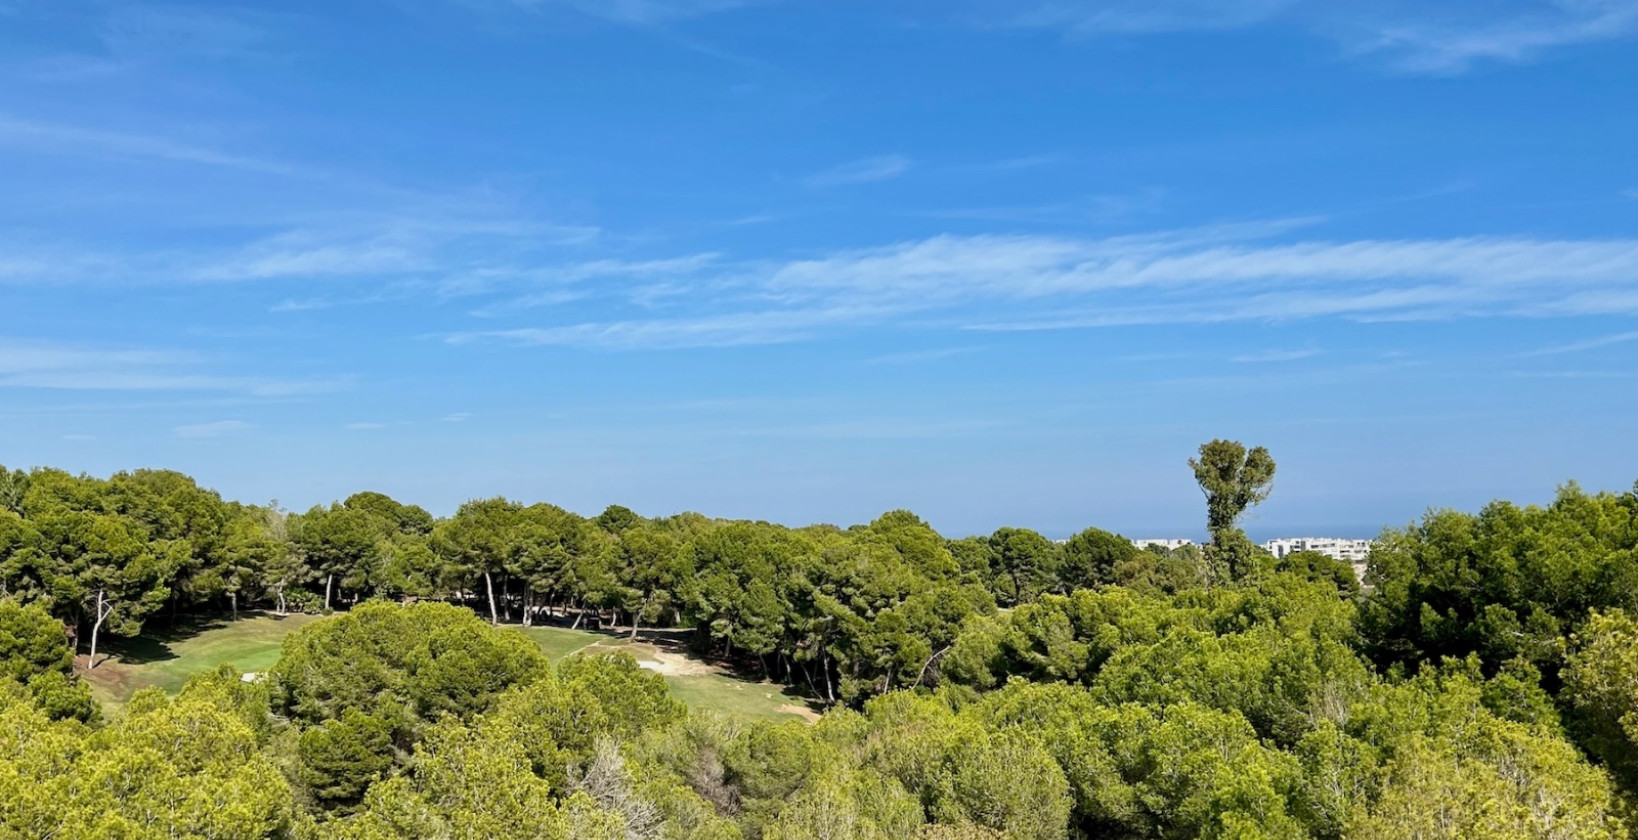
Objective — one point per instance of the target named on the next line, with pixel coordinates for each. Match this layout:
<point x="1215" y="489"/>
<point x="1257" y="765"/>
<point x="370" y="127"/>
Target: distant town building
<point x="1348" y="551"/>
<point x="1169" y="545"/>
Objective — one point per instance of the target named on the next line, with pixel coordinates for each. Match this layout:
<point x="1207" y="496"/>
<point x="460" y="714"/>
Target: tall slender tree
<point x="1233" y="478"/>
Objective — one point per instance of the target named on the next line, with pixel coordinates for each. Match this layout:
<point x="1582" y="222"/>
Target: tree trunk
<point x="577" y="618"/>
<point x="494" y="617"/>
<point x="929" y="663"/>
<point x="528" y="605"/>
<point x="233" y="598"/>
<point x="637" y="617"/>
<point x="329" y="580"/>
<point x="283" y="610"/>
<point x="96" y="627"/>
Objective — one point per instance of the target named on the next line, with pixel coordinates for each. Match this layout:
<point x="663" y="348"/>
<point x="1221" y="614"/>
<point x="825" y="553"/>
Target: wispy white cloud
<point x="305" y="254"/>
<point x="457" y="417"/>
<point x="216" y="429"/>
<point x="655" y="11"/>
<point x="910" y="357"/>
<point x="1573" y="374"/>
<point x="1190" y="276"/>
<point x="885" y="428"/>
<point x="129" y="37"/>
<point x="862" y="171"/>
<point x="1098" y="209"/>
<point x="449" y="245"/>
<point x="156" y="30"/>
<point x="643" y="12"/>
<point x="1013" y="164"/>
<point x="36" y="356"/>
<point x="45" y="137"/>
<point x="1588" y="344"/>
<point x="555" y="285"/>
<point x="61" y="366"/>
<point x="1274" y="356"/>
<point x="400" y="291"/>
<point x="735" y="330"/>
<point x="1146" y="16"/>
<point x="1512" y="35"/>
<point x="1441" y="38"/>
<point x="288" y="221"/>
<point x="455" y="252"/>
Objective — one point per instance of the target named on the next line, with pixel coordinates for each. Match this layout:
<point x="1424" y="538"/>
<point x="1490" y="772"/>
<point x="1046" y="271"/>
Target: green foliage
<point x="1507" y="583"/>
<point x="1116" y="696"/>
<point x="1178" y="771"/>
<point x="31" y="642"/>
<point x="1026" y="564"/>
<point x="847" y="805"/>
<point x="1601" y="685"/>
<point x="343" y="545"/>
<point x="405" y="519"/>
<point x="187" y="769"/>
<point x="1312" y="565"/>
<point x="464" y="783"/>
<point x="404" y="664"/>
<point x="62" y="697"/>
<point x="341" y="758"/>
<point x="632" y="700"/>
<point x="1233" y="479"/>
<point x="1094" y="558"/>
<point x="1007" y="782"/>
<point x="617" y="519"/>
<point x="965" y="773"/>
<point x="1511" y="788"/>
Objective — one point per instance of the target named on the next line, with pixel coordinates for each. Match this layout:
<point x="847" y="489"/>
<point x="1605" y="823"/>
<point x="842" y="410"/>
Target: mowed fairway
<point x="699" y="684"/>
<point x="167" y="660"/>
<point x="253" y="644"/>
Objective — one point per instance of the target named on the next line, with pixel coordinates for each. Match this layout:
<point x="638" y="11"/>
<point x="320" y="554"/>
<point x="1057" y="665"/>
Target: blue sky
<point x="995" y="261"/>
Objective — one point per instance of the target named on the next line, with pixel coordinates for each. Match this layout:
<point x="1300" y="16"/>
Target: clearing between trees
<point x="252" y="643"/>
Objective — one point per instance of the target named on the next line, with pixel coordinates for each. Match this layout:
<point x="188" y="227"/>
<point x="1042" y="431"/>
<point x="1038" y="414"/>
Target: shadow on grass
<point x="157" y="637"/>
<point x="688" y="642"/>
<point x="137" y="651"/>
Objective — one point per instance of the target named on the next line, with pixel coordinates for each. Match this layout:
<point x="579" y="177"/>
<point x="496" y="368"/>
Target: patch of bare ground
<point x="670" y="664"/>
<point x="802" y="712"/>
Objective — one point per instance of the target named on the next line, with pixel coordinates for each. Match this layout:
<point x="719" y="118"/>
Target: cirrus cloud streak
<point x="1041" y="282"/>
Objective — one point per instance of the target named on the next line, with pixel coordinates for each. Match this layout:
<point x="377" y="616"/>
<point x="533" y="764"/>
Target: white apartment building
<point x="1348" y="551"/>
<point x="1169" y="545"/>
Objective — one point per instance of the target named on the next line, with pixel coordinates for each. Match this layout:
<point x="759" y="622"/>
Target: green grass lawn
<point x="253" y="643"/>
<point x="717" y="692"/>
<point x="738" y="698"/>
<point x="558" y="642"/>
<point x="167" y="660"/>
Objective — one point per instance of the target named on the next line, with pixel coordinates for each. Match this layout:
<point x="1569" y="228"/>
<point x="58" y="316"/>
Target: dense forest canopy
<point x="1483" y="682"/>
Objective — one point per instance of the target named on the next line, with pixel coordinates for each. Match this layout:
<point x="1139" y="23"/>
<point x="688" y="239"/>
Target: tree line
<point x="847" y="613"/>
<point x="1482" y="683"/>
